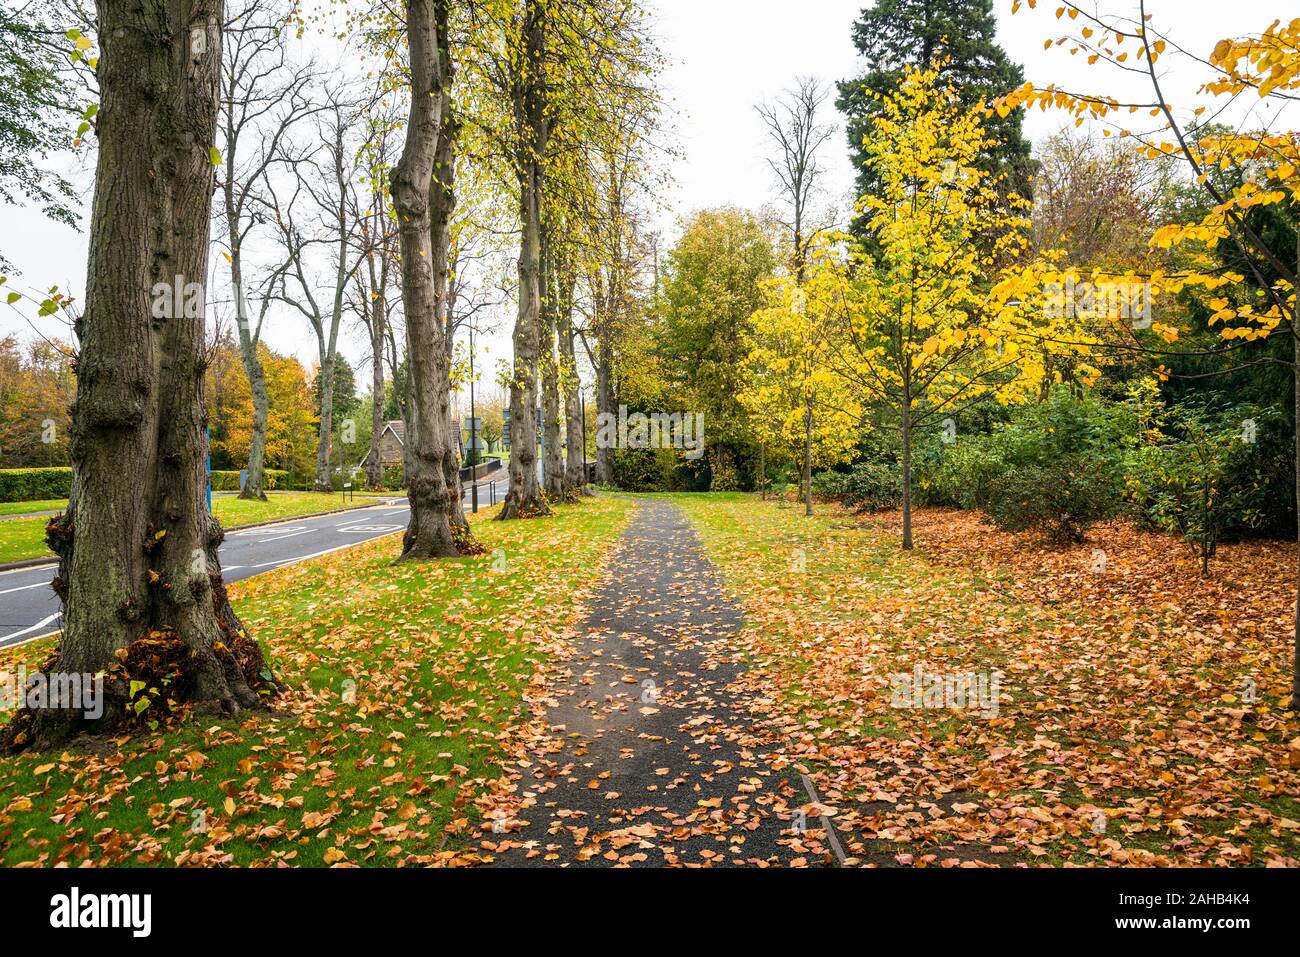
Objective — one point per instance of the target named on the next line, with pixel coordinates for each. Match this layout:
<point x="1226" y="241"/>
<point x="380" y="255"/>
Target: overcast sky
<point x="725" y="57"/>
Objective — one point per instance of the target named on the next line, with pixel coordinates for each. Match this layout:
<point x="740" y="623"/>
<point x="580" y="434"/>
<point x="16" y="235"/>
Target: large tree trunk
<point x="138" y="569"/>
<point x="429" y="534"/>
<point x="525" y="498"/>
<point x="442" y="192"/>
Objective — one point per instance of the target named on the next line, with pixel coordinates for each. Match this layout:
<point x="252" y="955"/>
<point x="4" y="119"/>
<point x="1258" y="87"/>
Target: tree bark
<point x="138" y="570"/>
<point x="552" y="454"/>
<point x="429" y="533"/>
<point x="442" y="191"/>
<point x="525" y="498"/>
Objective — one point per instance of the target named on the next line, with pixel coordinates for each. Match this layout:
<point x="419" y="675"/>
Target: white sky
<point x="726" y="56"/>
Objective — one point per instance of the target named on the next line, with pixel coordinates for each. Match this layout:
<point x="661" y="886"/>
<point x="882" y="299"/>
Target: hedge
<point x="228" y="481"/>
<point x="30" y="485"/>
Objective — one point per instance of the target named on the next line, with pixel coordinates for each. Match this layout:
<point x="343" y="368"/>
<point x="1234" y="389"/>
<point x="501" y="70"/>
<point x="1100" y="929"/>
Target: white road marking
<point x="40" y="624"/>
<point x="276" y="538"/>
<point x="22" y="588"/>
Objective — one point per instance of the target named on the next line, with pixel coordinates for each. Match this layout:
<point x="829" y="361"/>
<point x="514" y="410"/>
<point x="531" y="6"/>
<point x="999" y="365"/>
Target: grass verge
<point x="408" y="686"/>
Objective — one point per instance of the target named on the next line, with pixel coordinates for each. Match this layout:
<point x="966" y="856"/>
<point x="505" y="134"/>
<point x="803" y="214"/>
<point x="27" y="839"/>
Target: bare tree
<point x="262" y="97"/>
<point x="376" y="239"/>
<point x="318" y="216"/>
<point x="794" y="127"/>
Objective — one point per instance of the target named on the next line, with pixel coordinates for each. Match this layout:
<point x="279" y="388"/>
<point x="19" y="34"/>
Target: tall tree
<point x="959" y="38"/>
<point x="322" y="180"/>
<point x="263" y="96"/>
<point x="531" y="136"/>
<point x="928" y="315"/>
<point x="428" y="427"/>
<point x="138" y="571"/>
<point x="377" y="247"/>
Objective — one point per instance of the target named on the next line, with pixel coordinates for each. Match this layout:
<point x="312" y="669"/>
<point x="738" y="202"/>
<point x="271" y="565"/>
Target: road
<point x="29" y="608"/>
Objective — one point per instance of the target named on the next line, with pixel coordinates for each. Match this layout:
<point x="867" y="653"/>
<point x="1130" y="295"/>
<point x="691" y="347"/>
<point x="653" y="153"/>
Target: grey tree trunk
<point x="429" y="534"/>
<point x="525" y="498"/>
<point x="442" y="192"/>
<point x="137" y="547"/>
<point x="552" y="453"/>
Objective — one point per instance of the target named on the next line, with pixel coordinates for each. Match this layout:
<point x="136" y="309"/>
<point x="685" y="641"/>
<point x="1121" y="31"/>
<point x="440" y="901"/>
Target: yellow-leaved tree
<point x="795" y="399"/>
<point x="1242" y="171"/>
<point x="940" y="305"/>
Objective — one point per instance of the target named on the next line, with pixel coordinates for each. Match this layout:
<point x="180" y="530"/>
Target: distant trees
<point x="290" y="441"/>
<point x="37" y="388"/>
<point x="710" y="292"/>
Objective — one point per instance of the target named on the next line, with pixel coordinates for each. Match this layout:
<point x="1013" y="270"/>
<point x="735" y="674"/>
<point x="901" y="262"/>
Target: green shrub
<point x="645" y="470"/>
<point x="1201" y="474"/>
<point x="1054" y="467"/>
<point x="30" y="485"/>
<point x="869" y="487"/>
<point x="224" y="480"/>
<point x="1059" y="499"/>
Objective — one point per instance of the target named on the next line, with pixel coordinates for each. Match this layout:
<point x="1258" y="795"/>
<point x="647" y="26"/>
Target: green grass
<point x="441" y="655"/>
<point x="45" y="505"/>
<point x="22" y="538"/>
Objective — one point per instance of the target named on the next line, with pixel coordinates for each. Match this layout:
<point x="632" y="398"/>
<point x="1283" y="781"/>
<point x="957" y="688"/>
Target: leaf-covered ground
<point x="22" y="538"/>
<point x="1125" y="732"/>
<point x="408" y="687"/>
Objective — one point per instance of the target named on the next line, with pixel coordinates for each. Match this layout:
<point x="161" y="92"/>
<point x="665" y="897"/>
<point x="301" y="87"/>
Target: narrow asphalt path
<point x="650" y="760"/>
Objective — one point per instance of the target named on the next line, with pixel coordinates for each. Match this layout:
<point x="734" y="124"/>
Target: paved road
<point x="28" y="607"/>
